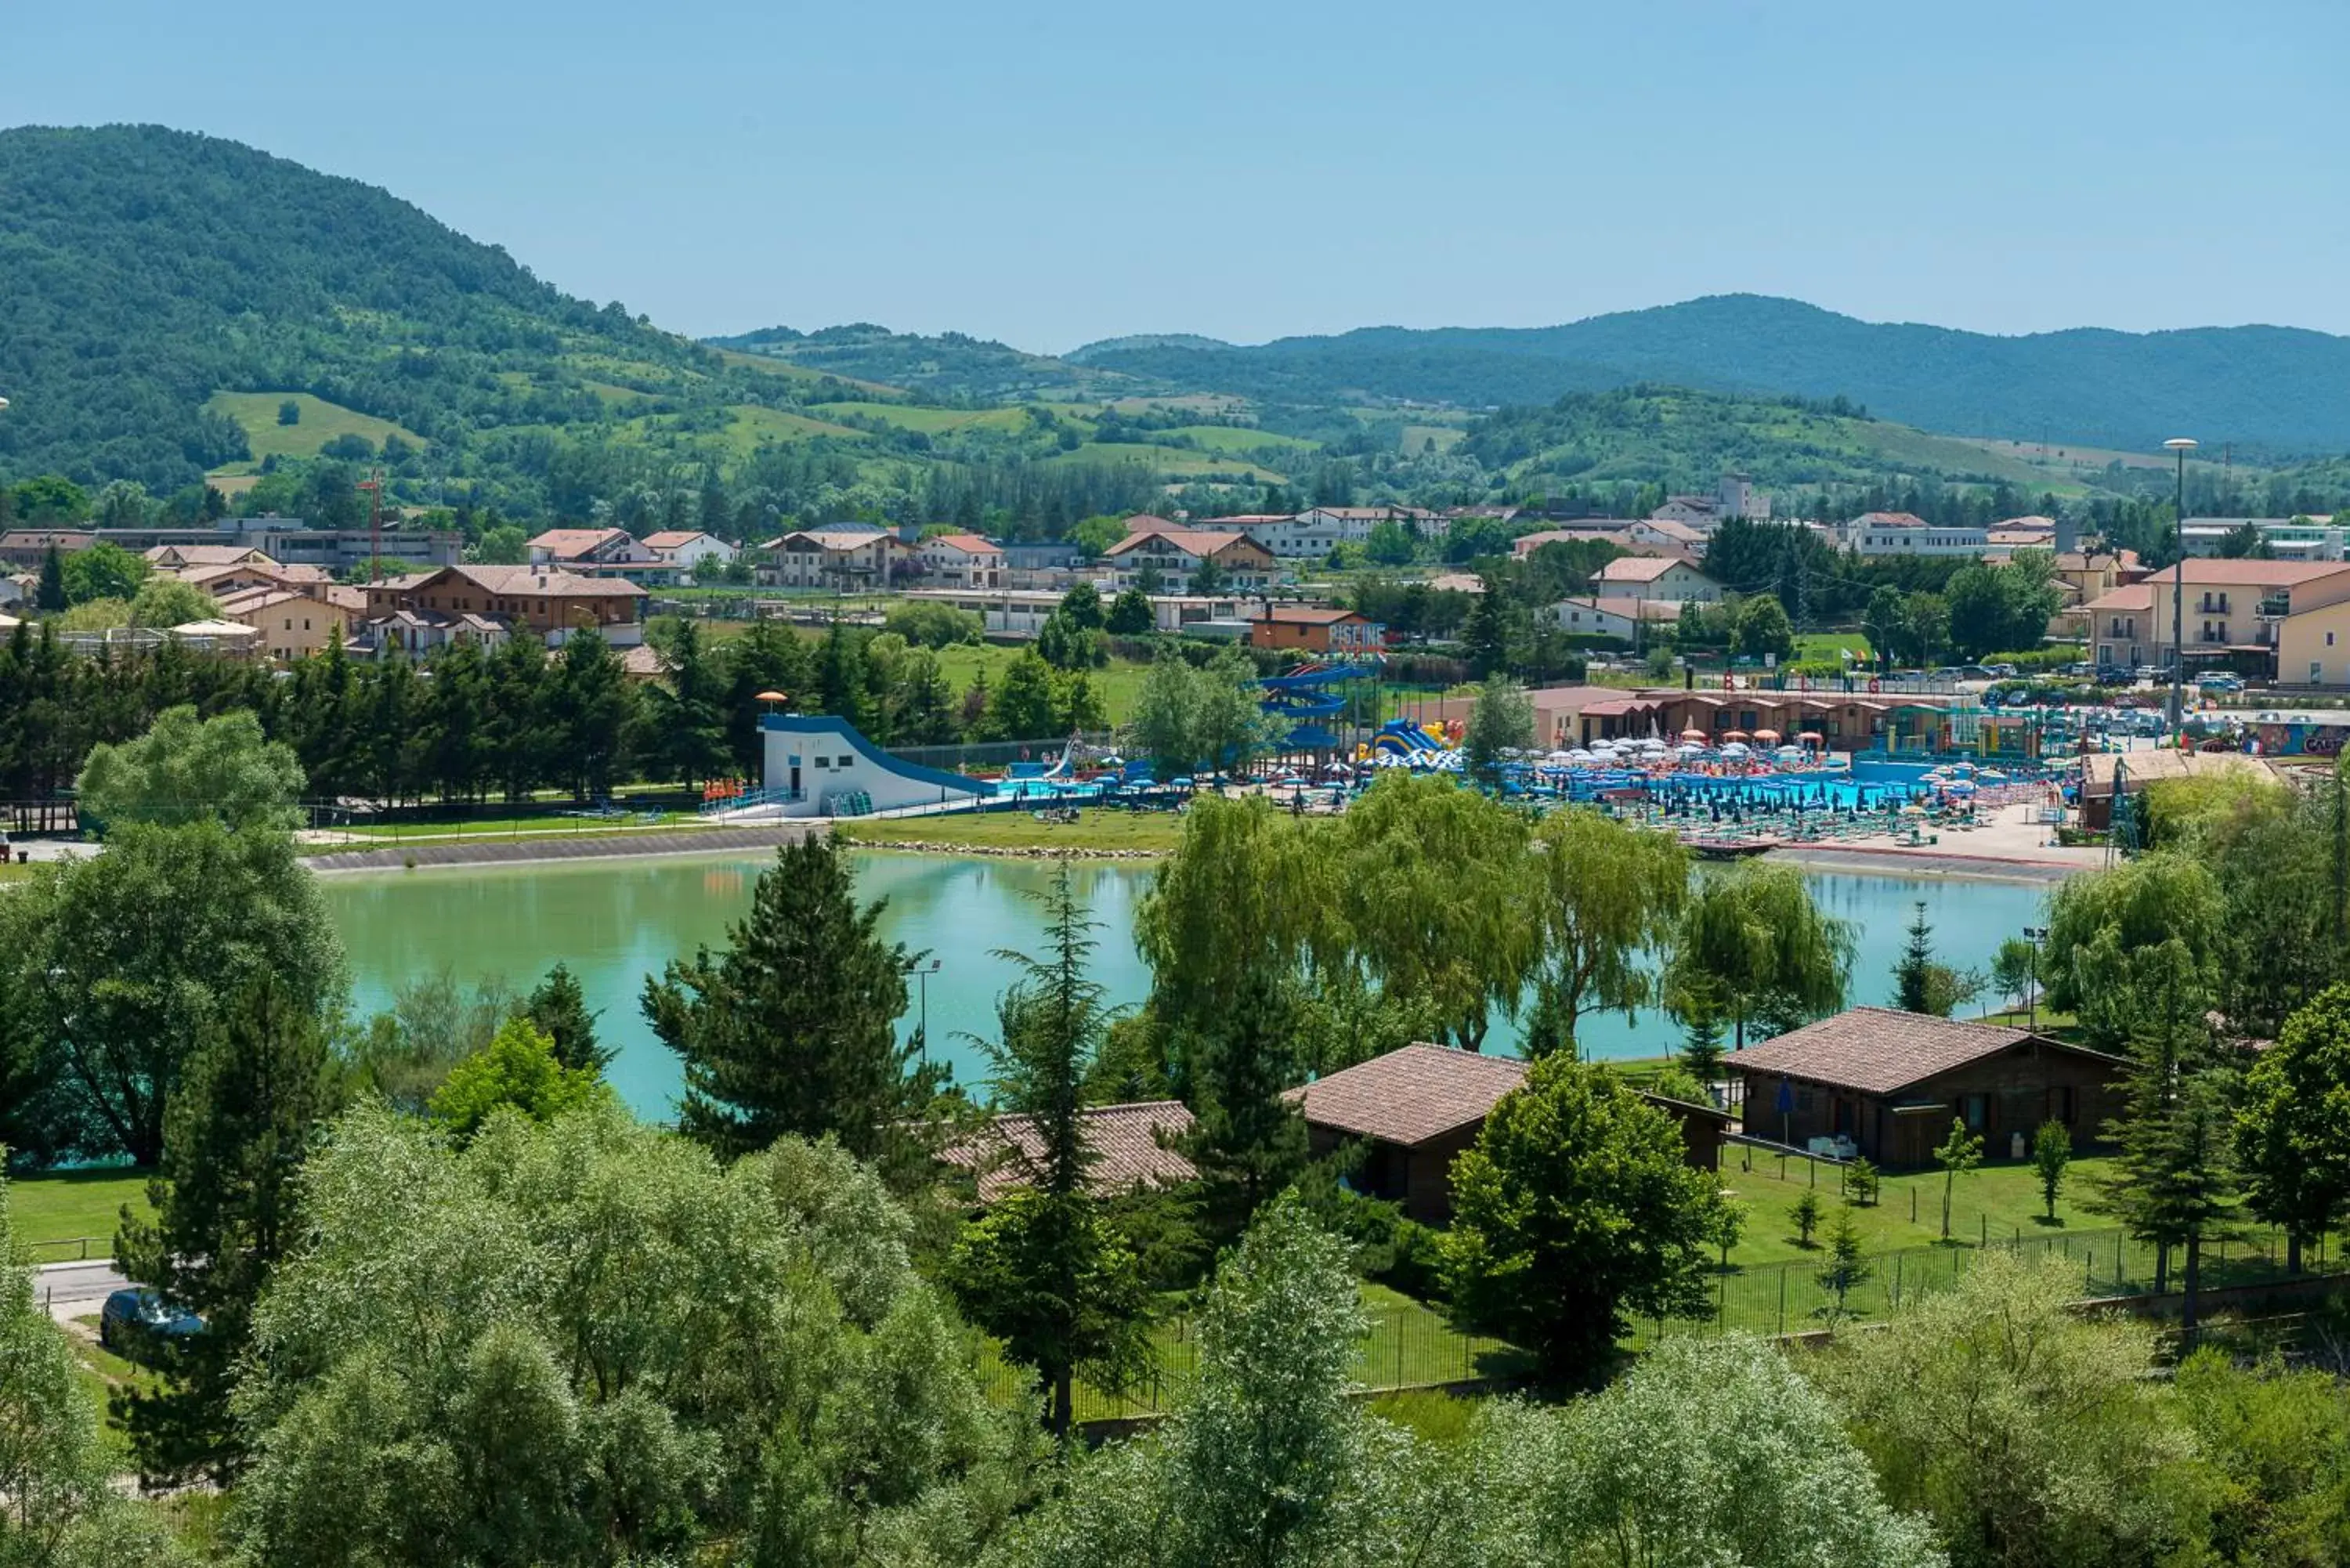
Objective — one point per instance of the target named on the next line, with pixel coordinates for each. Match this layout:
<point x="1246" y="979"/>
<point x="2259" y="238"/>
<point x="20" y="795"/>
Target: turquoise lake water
<point x="618" y="920"/>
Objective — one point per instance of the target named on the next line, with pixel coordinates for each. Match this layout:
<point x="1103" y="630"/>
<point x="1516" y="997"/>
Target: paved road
<point x="76" y="1290"/>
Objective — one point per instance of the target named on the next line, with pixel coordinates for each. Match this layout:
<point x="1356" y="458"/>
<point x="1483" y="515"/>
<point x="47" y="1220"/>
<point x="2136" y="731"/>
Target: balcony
<point x="2276" y="607"/>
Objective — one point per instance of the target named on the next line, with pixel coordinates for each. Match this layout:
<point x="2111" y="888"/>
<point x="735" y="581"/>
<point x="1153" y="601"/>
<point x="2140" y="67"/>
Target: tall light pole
<point x="922" y="973"/>
<point x="2180" y="446"/>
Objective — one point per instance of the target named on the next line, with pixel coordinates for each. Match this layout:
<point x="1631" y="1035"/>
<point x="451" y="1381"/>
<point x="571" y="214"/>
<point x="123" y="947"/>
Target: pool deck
<point x="2010" y="847"/>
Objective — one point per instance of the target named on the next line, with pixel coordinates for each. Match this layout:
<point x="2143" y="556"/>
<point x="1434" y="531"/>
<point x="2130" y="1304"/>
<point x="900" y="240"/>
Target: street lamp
<point x="922" y="973"/>
<point x="2181" y="446"/>
<point x="2035" y="935"/>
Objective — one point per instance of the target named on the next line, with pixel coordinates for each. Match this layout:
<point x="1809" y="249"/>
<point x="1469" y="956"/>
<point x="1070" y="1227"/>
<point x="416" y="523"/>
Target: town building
<point x="1666" y="577"/>
<point x="2121" y="627"/>
<point x="1022" y="612"/>
<point x="679" y="555"/>
<point x="1899" y="533"/>
<point x="1316" y="628"/>
<point x="599" y="552"/>
<point x="2313" y="639"/>
<point x="2307" y="537"/>
<point x="1129" y="1146"/>
<point x="25" y="549"/>
<point x="1176" y="556"/>
<point x="841" y="558"/>
<point x="1626" y="619"/>
<point x="1887" y="1084"/>
<point x="297" y="622"/>
<point x="1732" y="496"/>
<point x="2233" y="609"/>
<point x="429" y="610"/>
<point x="1416" y="1109"/>
<point x="962" y="561"/>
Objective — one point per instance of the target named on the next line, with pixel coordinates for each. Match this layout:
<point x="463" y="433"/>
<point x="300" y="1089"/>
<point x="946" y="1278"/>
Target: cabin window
<point x="1976" y="1109"/>
<point x="844" y="762"/>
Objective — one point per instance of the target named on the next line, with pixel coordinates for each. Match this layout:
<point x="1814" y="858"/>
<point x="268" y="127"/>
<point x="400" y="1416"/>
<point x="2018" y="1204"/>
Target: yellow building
<point x="2233" y="608"/>
<point x="2314" y="639"/>
<point x="295" y="624"/>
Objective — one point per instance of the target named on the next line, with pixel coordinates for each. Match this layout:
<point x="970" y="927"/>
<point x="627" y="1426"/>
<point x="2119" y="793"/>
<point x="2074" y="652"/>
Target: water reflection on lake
<point x="618" y="920"/>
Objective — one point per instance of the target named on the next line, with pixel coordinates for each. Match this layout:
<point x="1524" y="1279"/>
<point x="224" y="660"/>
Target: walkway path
<point x="519" y="851"/>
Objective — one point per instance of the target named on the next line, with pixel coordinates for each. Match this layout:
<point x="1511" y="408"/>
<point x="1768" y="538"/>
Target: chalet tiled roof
<point x="1638" y="568"/>
<point x="2137" y="596"/>
<point x="1124" y="1140"/>
<point x="2221" y="572"/>
<point x="1198" y="542"/>
<point x="1412" y="1095"/>
<point x="672" y="538"/>
<point x="1310" y="615"/>
<point x="569" y="544"/>
<point x="546" y="582"/>
<point x="1880" y="1050"/>
<point x="969" y="544"/>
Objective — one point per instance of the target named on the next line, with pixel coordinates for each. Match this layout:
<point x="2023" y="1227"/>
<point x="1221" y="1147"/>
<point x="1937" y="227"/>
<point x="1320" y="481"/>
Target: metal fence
<point x="1408" y="1347"/>
<point x="1795" y="1296"/>
<point x="994" y="753"/>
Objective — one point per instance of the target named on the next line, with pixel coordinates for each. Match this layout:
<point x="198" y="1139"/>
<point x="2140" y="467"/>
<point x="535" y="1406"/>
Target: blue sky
<point x="1052" y="174"/>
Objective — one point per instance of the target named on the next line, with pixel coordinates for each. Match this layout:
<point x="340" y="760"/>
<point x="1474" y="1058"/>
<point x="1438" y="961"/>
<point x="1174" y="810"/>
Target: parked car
<point x="135" y="1320"/>
<point x="2222" y="682"/>
<point x="2003" y="670"/>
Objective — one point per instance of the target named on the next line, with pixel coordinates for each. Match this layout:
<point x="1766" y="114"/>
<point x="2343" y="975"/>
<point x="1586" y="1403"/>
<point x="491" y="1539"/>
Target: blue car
<point x="137" y="1319"/>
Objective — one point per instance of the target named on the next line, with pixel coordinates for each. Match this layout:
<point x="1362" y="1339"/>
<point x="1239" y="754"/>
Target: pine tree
<point x="690" y="714"/>
<point x="560" y="1009"/>
<point x="1046" y="1269"/>
<point x="1485" y="638"/>
<point x="51" y="594"/>
<point x="840" y="675"/>
<point x="243" y="1115"/>
<point x="791" y="1027"/>
<point x="1701" y="1034"/>
<point x="1247" y="1142"/>
<point x="1913" y="977"/>
<point x="1844" y="1271"/>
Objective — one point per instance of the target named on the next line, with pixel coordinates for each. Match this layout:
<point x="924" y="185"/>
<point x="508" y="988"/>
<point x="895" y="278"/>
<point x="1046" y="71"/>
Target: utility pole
<point x="2180" y="447"/>
<point x="373" y="485"/>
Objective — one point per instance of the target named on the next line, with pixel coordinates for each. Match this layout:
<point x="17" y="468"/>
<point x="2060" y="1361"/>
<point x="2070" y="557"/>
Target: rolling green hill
<point x="2273" y="386"/>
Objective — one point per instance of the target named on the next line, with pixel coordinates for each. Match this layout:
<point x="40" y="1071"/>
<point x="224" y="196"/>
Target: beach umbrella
<point x="1734" y="749"/>
<point x="1960" y="787"/>
<point x="1992" y="774"/>
<point x="1562" y="757"/>
<point x="1913" y="810"/>
<point x="1766" y="736"/>
<point x="1813" y="738"/>
<point x="1696" y="735"/>
<point x="1792" y="753"/>
<point x="1689" y="749"/>
<point x="1736" y="736"/>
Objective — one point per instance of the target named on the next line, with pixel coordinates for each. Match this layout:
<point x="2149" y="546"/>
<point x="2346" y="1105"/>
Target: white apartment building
<point x="837" y="558"/>
<point x="962" y="561"/>
<point x="1906" y="533"/>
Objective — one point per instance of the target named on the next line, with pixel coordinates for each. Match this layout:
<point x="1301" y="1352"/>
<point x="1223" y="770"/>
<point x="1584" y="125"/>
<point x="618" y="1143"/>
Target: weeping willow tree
<point x="1752" y="945"/>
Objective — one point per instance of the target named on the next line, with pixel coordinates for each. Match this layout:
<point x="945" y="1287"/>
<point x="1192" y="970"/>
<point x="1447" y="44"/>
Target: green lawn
<point x="2000" y="1201"/>
<point x="1117" y="683"/>
<point x="322" y="421"/>
<point x="531" y="825"/>
<point x="1095" y="831"/>
<point x="1174" y="462"/>
<point x="1819" y="645"/>
<point x="52" y="1212"/>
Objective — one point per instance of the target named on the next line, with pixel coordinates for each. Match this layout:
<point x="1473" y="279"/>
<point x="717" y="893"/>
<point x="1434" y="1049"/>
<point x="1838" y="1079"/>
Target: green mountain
<point x="951" y="364"/>
<point x="2278" y="388"/>
<point x="147" y="271"/>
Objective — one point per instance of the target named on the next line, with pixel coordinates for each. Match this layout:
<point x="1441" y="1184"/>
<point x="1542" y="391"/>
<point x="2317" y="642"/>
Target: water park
<point x="1678" y="761"/>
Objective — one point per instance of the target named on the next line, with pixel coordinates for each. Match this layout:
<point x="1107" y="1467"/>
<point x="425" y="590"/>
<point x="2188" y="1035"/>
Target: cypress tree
<point x="1247" y="1142"/>
<point x="51" y="594"/>
<point x="560" y="1009"/>
<point x="1913" y="977"/>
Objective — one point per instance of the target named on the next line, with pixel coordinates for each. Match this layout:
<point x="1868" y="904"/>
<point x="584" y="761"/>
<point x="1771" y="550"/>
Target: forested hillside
<point x="2276" y="388"/>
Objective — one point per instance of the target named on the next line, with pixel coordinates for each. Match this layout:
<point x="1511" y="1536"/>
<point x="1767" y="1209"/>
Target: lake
<point x="617" y="920"/>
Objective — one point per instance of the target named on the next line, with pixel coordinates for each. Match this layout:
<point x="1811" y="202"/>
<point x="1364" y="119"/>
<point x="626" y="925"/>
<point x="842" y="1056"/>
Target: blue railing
<point x="750" y="798"/>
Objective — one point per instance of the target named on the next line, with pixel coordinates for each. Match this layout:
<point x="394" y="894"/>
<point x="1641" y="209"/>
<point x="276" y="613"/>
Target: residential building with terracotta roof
<point x="1176" y="555"/>
<point x="841" y="559"/>
<point x="961" y="561"/>
<point x="1418" y="1107"/>
<point x="1666" y="577"/>
<point x="1128" y="1144"/>
<point x="484" y="605"/>
<point x="1627" y="619"/>
<point x="680" y="553"/>
<point x="598" y="552"/>
<point x="295" y="623"/>
<point x="25" y="549"/>
<point x="2121" y="628"/>
<point x="1887" y="1084"/>
<point x="2234" y="609"/>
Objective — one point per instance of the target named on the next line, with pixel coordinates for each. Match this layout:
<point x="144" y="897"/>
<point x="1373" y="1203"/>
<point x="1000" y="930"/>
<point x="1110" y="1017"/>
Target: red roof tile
<point x="1124" y="1140"/>
<point x="1412" y="1095"/>
<point x="1880" y="1050"/>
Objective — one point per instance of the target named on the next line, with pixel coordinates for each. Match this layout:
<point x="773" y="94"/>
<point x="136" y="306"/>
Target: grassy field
<point x="1116" y="684"/>
<point x="1241" y="440"/>
<point x="322" y="421"/>
<point x="2001" y="1203"/>
<point x="51" y="1211"/>
<point x="1812" y="645"/>
<point x="1431" y="438"/>
<point x="1172" y="462"/>
<point x="543" y="826"/>
<point x="933" y="422"/>
<point x="1094" y="832"/>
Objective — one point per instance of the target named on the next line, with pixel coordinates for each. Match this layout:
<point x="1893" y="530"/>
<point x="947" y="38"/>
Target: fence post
<point x="1783" y="1298"/>
<point x="1983" y="1230"/>
<point x="1913" y="1206"/>
<point x="1897" y="1279"/>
